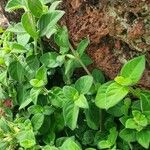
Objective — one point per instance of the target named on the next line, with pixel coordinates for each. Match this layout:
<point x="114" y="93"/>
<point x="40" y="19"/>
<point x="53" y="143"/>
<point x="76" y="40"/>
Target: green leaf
<point x="37" y="83"/>
<point x="25" y="103"/>
<point x="84" y="84"/>
<point x="26" y="139"/>
<point x="48" y="21"/>
<point x="82" y="102"/>
<point x="18" y="49"/>
<point x="49" y="148"/>
<point x="54" y="5"/>
<point x="82" y="46"/>
<point x="23" y="38"/>
<point x="37" y="121"/>
<point x="34" y="109"/>
<point x="16" y="71"/>
<point x="34" y="93"/>
<point x="70" y="93"/>
<point x="145" y="100"/>
<point x="70" y="113"/>
<point x="92" y="116"/>
<point x="41" y="74"/>
<point x="14" y="4"/>
<point x="128" y="135"/>
<point x="69" y="144"/>
<point x="57" y="97"/>
<point x="35" y="7"/>
<point x="123" y="81"/>
<point x="49" y="59"/>
<point x="110" y="94"/>
<point x="61" y="37"/>
<point x="98" y="76"/>
<point x="29" y="25"/>
<point x="133" y="69"/>
<point x="143" y="138"/>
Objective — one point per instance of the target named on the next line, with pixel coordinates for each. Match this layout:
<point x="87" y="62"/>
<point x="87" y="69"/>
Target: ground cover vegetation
<point x="45" y="104"/>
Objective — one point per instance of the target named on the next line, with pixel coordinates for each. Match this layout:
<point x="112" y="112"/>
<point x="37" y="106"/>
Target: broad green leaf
<point x="49" y="59"/>
<point x="54" y="5"/>
<point x="70" y="93"/>
<point x="139" y="118"/>
<point x="17" y="48"/>
<point x="82" y="102"/>
<point x="16" y="71"/>
<point x="131" y="124"/>
<point x="133" y="69"/>
<point x="34" y="93"/>
<point x="69" y="144"/>
<point x="41" y="74"/>
<point x="26" y="139"/>
<point x="145" y="100"/>
<point x="34" y="109"/>
<point x="35" y="7"/>
<point x="61" y="37"/>
<point x="70" y="113"/>
<point x="37" y="83"/>
<point x="109" y="95"/>
<point x="82" y="46"/>
<point x="128" y="135"/>
<point x="143" y="138"/>
<point x="29" y="25"/>
<point x="17" y="28"/>
<point x="123" y="81"/>
<point x="57" y="97"/>
<point x="92" y="116"/>
<point x="84" y="84"/>
<point x="48" y="21"/>
<point x="48" y="147"/>
<point x="25" y="103"/>
<point x="23" y="38"/>
<point x="14" y="4"/>
<point x="4" y="125"/>
<point x="104" y="144"/>
<point x="37" y="121"/>
<point x="98" y="76"/>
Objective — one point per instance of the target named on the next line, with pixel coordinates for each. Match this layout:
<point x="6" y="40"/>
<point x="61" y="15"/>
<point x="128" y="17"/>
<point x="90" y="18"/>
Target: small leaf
<point x="143" y="138"/>
<point x="37" y="83"/>
<point x="98" y="76"/>
<point x="48" y="21"/>
<point x="37" y="121"/>
<point x="41" y="74"/>
<point x="70" y="113"/>
<point x="84" y="84"/>
<point x="34" y="109"/>
<point x="34" y="93"/>
<point x="29" y="25"/>
<point x="82" y="102"/>
<point x="35" y="7"/>
<point x="123" y="81"/>
<point x="110" y="94"/>
<point x="54" y="5"/>
<point x="82" y="46"/>
<point x="133" y="69"/>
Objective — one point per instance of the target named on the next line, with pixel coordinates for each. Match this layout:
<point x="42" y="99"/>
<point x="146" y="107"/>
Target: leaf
<point x="14" y="4"/>
<point x="29" y="25"/>
<point x="70" y="93"/>
<point x="82" y="46"/>
<point x="143" y="138"/>
<point x="70" y="113"/>
<point x="16" y="71"/>
<point x="35" y="7"/>
<point x="145" y="100"/>
<point x="110" y="94"/>
<point x="48" y="21"/>
<point x="69" y="144"/>
<point x="25" y="103"/>
<point x="23" y="38"/>
<point x="18" y="49"/>
<point x="61" y="37"/>
<point x="92" y="116"/>
<point x="84" y="84"/>
<point x="41" y="74"/>
<point x="128" y="135"/>
<point x="37" y="121"/>
<point x="82" y="102"/>
<point x="54" y="5"/>
<point x="56" y="97"/>
<point x="98" y="76"/>
<point x="123" y="81"/>
<point x="34" y="93"/>
<point x="49" y="60"/>
<point x="133" y="69"/>
<point x="37" y="83"/>
<point x="34" y="109"/>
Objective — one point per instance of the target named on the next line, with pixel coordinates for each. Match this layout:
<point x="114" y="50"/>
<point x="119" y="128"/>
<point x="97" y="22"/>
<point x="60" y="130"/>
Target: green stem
<point x="35" y="46"/>
<point x="41" y="46"/>
<point x="79" y="60"/>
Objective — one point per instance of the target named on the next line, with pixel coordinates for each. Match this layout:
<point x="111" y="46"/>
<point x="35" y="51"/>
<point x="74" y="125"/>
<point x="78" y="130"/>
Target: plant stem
<point x="41" y="46"/>
<point x="35" y="46"/>
<point x="79" y="60"/>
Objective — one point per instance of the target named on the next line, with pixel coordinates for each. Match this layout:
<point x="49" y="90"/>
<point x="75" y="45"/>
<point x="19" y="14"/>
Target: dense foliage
<point x="46" y="105"/>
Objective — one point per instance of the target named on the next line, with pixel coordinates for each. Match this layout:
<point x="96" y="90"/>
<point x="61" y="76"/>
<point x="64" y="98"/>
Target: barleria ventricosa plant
<point x="45" y="105"/>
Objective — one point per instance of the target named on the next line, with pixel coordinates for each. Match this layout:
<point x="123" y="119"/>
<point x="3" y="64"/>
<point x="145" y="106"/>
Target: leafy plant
<point x="44" y="104"/>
